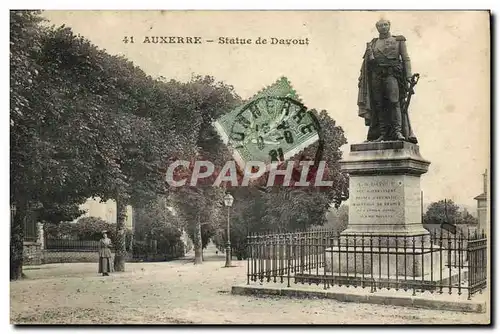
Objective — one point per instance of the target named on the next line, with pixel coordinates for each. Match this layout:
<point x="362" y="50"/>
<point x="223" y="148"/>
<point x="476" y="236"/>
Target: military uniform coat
<point x="390" y="52"/>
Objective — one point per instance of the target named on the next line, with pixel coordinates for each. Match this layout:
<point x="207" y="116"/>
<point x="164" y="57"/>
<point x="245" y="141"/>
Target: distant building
<point x="106" y="211"/>
<point x="482" y="205"/>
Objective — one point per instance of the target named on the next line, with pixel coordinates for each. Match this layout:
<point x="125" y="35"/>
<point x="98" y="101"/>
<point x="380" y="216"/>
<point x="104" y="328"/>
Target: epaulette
<point x="400" y="38"/>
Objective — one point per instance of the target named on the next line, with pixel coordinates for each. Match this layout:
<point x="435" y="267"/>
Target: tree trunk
<point x="16" y="241"/>
<point x="120" y="242"/>
<point x="198" y="251"/>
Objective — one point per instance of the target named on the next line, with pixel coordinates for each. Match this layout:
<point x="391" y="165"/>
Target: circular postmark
<point x="273" y="129"/>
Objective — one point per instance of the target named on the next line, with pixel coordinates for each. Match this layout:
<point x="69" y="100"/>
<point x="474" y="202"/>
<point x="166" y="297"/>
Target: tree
<point x="91" y="228"/>
<point x="83" y="124"/>
<point x="86" y="228"/>
<point x="199" y="209"/>
<point x="88" y="124"/>
<point x="31" y="153"/>
<point x="337" y="219"/>
<point x="281" y="209"/>
<point x="143" y="154"/>
<point x="439" y="212"/>
<point x="246" y="215"/>
<point x="466" y="218"/>
<point x="61" y="230"/>
<point x="155" y="220"/>
<point x="124" y="104"/>
<point x="55" y="213"/>
<point x="291" y="208"/>
<point x="443" y="211"/>
<point x="200" y="206"/>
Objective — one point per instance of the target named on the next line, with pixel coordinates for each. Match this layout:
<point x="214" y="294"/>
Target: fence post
<point x="413" y="264"/>
<point x="347" y="259"/>
<point x="363" y="260"/>
<point x="288" y="239"/>
<point x="450" y="258"/>
<point x="323" y="248"/>
<point x="373" y="288"/>
<point x="441" y="261"/>
<point x="397" y="267"/>
<point x="249" y="256"/>
<point x="459" y="264"/>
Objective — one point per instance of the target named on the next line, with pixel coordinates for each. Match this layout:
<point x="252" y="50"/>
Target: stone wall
<point x="70" y="257"/>
<point x="93" y="257"/>
<point x="32" y="253"/>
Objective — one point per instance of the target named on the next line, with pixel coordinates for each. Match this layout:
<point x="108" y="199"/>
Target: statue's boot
<point x="399" y="136"/>
<point x="413" y="140"/>
<point x="383" y="130"/>
<point x="397" y="121"/>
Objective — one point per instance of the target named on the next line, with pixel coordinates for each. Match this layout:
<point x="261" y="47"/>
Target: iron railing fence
<point x="138" y="250"/>
<point x="441" y="263"/>
<point x="148" y="250"/>
<point x="71" y="245"/>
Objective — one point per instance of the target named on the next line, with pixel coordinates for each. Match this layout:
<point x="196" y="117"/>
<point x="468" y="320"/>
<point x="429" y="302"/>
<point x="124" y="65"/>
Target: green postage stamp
<point x="272" y="126"/>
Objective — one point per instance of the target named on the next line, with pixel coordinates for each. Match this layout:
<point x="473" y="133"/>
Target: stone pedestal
<point x="384" y="188"/>
<point x="384" y="210"/>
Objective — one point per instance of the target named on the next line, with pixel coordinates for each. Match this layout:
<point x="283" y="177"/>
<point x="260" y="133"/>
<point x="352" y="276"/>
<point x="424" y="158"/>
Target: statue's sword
<point x="413" y="81"/>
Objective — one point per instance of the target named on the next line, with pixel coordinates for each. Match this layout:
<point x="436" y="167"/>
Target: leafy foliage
<point x="86" y="228"/>
<point x="85" y="123"/>
<point x="439" y="212"/>
<point x="291" y="208"/>
<point x="199" y="208"/>
<point x="337" y="219"/>
<point x="155" y="221"/>
<point x="283" y="209"/>
<point x="63" y="230"/>
<point x="82" y="125"/>
<point x="54" y="213"/>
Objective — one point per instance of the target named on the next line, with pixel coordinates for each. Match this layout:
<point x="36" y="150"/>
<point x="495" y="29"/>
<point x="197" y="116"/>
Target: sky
<point x="450" y="112"/>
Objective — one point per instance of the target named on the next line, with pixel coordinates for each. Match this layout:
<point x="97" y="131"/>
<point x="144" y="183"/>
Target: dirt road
<point x="180" y="292"/>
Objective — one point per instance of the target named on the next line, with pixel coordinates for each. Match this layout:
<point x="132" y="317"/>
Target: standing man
<point x="383" y="84"/>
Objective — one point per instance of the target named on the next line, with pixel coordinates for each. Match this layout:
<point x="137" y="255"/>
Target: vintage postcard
<point x="250" y="167"/>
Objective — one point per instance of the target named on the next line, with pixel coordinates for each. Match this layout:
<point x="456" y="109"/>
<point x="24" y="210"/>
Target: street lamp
<point x="228" y="201"/>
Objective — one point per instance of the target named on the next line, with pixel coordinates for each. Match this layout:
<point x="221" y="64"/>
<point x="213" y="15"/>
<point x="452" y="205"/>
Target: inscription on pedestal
<point x="384" y="189"/>
<point x="376" y="200"/>
<point x="385" y="200"/>
<point x="413" y="208"/>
